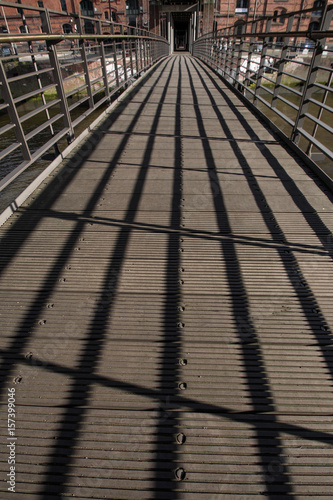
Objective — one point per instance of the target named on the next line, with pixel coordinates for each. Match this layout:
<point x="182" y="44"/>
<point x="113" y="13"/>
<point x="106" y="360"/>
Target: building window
<point x="106" y="15"/>
<point x="282" y="16"/>
<point x="63" y="5"/>
<point x="3" y="29"/>
<point x="317" y="8"/>
<point x="19" y="11"/>
<point x="314" y="26"/>
<point x="67" y="28"/>
<point x="241" y="7"/>
<point x="40" y="3"/>
<point x="132" y="8"/>
<point x="87" y="8"/>
<point x="279" y="42"/>
<point x="88" y="28"/>
<point x="279" y="18"/>
<point x="24" y="29"/>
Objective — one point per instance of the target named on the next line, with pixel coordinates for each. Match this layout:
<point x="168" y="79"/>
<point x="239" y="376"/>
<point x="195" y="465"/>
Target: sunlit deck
<point x="166" y="308"/>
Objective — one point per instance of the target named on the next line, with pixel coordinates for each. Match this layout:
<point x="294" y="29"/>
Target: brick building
<point x="132" y="12"/>
<point x="161" y="16"/>
<point x="228" y="12"/>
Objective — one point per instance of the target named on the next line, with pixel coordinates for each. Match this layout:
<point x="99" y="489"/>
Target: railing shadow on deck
<point x="104" y="306"/>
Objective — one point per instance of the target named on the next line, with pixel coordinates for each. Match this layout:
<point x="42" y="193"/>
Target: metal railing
<point x="287" y="75"/>
<point x="51" y="82"/>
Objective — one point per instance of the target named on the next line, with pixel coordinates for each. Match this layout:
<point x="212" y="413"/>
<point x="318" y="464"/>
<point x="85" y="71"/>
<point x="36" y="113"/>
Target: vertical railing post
<point x="137" y="61"/>
<point x="311" y="78"/>
<point x="240" y="52"/>
<point x="123" y="54"/>
<point x="85" y="66"/>
<point x="250" y="53"/>
<point x="315" y="129"/>
<point x="218" y="47"/>
<point x="282" y="62"/>
<point x="224" y="53"/>
<point x="130" y="53"/>
<point x="46" y="27"/>
<point x="233" y="50"/>
<point x="13" y="114"/>
<point x="228" y="53"/>
<point x="115" y="57"/>
<point x="57" y="77"/>
<point x="103" y="61"/>
<point x="215" y="49"/>
<point x="262" y="61"/>
<point x="145" y="53"/>
<point x="140" y="53"/>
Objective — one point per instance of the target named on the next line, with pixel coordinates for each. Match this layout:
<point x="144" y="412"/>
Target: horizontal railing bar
<point x="65" y="65"/>
<point x="323" y="87"/>
<point x="37" y="154"/>
<point x="95" y="92"/>
<point x="324" y="68"/>
<point x="296" y="34"/>
<point x="252" y="92"/>
<point x="33" y="93"/>
<point x="62" y="37"/>
<point x="26" y="164"/>
<point x="321" y="105"/>
<point x="300" y="78"/>
<point x="35" y="112"/>
<point x="78" y="89"/>
<point x="268" y="79"/>
<point x="269" y="91"/>
<point x="284" y="117"/>
<point x="78" y="103"/>
<point x="6" y="128"/>
<point x="251" y="80"/>
<point x="85" y="115"/>
<point x="75" y="75"/>
<point x="94" y="59"/>
<point x="97" y="79"/>
<point x="32" y="7"/>
<point x="327" y="152"/>
<point x="8" y="150"/>
<point x="42" y="127"/>
<point x="320" y="123"/>
<point x="278" y="112"/>
<point x="290" y="89"/>
<point x="286" y="101"/>
<point x="300" y="63"/>
<point x="29" y="75"/>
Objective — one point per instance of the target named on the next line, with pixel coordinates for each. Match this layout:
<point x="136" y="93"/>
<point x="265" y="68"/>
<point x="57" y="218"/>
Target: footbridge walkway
<point x="166" y="308"/>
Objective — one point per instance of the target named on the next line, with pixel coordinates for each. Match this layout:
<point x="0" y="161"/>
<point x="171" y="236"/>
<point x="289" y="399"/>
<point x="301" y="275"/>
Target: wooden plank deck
<point x="166" y="309"/>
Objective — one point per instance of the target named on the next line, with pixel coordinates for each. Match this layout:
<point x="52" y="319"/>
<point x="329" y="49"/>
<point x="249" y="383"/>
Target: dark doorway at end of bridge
<point x="182" y="31"/>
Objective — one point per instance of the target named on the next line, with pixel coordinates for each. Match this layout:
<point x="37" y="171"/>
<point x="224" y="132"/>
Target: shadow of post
<point x="274" y="468"/>
<point x="302" y="289"/>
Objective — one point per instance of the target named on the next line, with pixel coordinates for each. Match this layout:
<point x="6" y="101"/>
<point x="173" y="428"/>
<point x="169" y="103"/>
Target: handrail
<point x="265" y="71"/>
<point x="72" y="77"/>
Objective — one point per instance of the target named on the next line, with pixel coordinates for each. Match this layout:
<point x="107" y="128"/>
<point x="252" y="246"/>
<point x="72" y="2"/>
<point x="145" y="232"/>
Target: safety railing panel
<point x="287" y="75"/>
<point x="51" y="82"/>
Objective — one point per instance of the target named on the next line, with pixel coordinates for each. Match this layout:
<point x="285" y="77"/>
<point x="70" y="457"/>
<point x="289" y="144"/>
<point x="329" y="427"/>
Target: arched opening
<point x="87" y="8"/>
<point x="239" y="27"/>
<point x="88" y="27"/>
<point x="67" y="28"/>
<point x="314" y="25"/>
<point x="282" y="16"/>
<point x="181" y="22"/>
